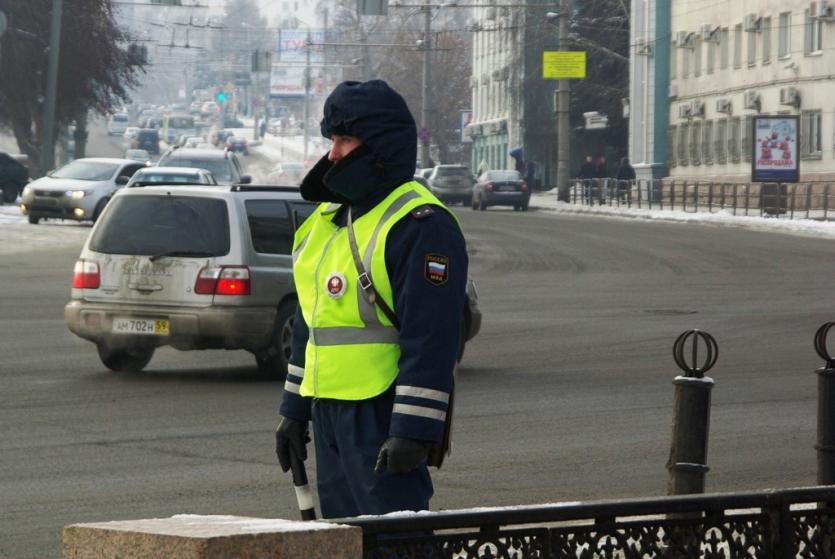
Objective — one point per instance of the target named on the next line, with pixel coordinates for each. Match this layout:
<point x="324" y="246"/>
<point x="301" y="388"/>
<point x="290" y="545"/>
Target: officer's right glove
<point x="291" y="436"/>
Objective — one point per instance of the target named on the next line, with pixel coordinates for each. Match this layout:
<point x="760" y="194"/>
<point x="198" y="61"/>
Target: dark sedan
<point x="501" y="188"/>
<point x="237" y="144"/>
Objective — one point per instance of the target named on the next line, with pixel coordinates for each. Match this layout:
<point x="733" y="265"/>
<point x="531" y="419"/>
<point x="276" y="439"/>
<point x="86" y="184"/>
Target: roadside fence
<point x="811" y="200"/>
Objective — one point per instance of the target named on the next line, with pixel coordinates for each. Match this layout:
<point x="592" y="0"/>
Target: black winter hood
<point x="377" y="115"/>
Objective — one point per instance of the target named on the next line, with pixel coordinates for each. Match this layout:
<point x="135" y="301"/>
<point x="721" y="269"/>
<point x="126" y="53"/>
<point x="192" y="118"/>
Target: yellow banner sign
<point x="563" y="65"/>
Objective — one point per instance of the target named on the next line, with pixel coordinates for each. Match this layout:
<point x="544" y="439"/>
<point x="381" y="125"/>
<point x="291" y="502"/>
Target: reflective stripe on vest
<point x="353" y="349"/>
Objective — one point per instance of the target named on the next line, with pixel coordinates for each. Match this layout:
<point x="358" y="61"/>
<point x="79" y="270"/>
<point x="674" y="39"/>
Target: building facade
<point x="649" y="81"/>
<point x="741" y="58"/>
<point x="512" y="106"/>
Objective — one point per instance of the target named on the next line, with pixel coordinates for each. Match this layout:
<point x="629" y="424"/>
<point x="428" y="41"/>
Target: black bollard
<point x="691" y="416"/>
<point x="826" y="409"/>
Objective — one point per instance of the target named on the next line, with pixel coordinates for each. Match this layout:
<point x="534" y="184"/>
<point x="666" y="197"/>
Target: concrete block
<point x="188" y="536"/>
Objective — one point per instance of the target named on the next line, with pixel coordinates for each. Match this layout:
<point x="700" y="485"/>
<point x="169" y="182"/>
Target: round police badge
<point x="335" y="285"/>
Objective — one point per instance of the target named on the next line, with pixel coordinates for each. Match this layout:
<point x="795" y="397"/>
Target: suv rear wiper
<point x="194" y="253"/>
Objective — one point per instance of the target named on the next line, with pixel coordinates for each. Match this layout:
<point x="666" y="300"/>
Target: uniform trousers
<point x="348" y="436"/>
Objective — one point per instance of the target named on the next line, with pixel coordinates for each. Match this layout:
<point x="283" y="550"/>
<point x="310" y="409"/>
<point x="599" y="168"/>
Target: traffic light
<point x="221" y="97"/>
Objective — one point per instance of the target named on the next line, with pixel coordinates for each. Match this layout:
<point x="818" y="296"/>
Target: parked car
<point x="288" y="173"/>
<point x="237" y="144"/>
<point x="172" y="176"/>
<point x="138" y="155"/>
<point x="452" y="183"/>
<point x="13" y="176"/>
<point x="79" y="190"/>
<point x="196" y="268"/>
<point x="224" y="165"/>
<point x="501" y="188"/>
<point x="147" y="139"/>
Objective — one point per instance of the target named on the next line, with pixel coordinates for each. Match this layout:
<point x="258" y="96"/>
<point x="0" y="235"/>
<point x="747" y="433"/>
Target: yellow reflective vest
<point x="352" y="352"/>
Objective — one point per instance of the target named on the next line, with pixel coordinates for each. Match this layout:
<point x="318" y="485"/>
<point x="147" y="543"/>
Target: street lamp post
<point x="563" y="114"/>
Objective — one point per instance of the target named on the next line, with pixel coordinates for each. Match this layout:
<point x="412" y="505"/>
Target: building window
<point x="695" y="142"/>
<point x="707" y="142"/>
<point x="766" y="40"/>
<point x="752" y="47"/>
<point x="784" y="35"/>
<point x="711" y="55"/>
<point x="697" y="58"/>
<point x="738" y="46"/>
<point x="810" y="134"/>
<point x="721" y="141"/>
<point x="683" y="130"/>
<point x="733" y="140"/>
<point x="813" y="44"/>
<point x="685" y="62"/>
<point x="671" y="146"/>
<point x="724" y="39"/>
<point x="747" y="130"/>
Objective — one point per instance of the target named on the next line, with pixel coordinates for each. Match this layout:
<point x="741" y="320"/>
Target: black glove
<point x="399" y="455"/>
<point x="291" y="436"/>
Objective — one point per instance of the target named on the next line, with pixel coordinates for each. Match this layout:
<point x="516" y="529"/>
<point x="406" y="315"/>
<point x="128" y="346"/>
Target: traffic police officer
<point x="372" y="368"/>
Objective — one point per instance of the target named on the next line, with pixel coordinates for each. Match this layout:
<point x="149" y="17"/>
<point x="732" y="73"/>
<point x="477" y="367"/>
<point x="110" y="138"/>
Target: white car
<point x="79" y="190"/>
<point x="117" y="124"/>
<point x="130" y="134"/>
<point x="171" y="176"/>
<point x="193" y="141"/>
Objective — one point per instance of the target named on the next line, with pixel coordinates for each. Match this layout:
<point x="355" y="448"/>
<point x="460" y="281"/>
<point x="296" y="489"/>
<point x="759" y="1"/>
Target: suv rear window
<point x="148" y="225"/>
<point x="219" y="167"/>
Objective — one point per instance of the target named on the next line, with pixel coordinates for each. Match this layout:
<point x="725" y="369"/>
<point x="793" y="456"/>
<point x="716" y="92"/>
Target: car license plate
<point x="145" y="326"/>
<point x="507" y="188"/>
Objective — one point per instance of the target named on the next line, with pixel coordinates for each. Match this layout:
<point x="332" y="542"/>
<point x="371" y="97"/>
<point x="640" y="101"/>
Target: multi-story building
<point x="512" y="105"/>
<point x="733" y="60"/>
<point x="648" y="87"/>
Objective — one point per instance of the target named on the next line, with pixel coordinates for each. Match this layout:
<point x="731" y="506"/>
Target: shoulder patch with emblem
<point x="436" y="268"/>
<point x="422" y="211"/>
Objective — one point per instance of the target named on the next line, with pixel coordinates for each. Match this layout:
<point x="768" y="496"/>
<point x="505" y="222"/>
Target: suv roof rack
<point x="262" y="188"/>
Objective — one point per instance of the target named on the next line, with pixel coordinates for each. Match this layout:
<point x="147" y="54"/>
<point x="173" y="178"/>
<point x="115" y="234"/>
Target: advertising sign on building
<point x="292" y="45"/>
<point x="775" y="149"/>
<point x="286" y="81"/>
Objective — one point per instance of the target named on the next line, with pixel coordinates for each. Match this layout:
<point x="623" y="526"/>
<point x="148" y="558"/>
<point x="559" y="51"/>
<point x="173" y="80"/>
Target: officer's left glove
<point x="399" y="455"/>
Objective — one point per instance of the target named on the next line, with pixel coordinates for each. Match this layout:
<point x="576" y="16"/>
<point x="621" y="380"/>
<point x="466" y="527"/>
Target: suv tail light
<point x="488" y="187"/>
<point x="223" y="280"/>
<point x="86" y="275"/>
<point x="524" y="186"/>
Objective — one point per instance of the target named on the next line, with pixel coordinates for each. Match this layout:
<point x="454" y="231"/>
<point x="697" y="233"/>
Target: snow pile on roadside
<point x="548" y="201"/>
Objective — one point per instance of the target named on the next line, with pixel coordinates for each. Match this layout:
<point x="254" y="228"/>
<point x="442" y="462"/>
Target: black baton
<point x="304" y="496"/>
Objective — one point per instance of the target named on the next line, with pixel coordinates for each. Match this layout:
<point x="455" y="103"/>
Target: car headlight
<point x="76" y="194"/>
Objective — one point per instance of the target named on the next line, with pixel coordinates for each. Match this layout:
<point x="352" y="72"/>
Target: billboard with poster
<point x="775" y="149"/>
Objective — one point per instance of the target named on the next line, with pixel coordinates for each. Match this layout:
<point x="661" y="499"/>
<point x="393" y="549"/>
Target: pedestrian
<point x="586" y="174"/>
<point x="483" y="167"/>
<point x="263" y="127"/>
<point x="601" y="174"/>
<point x="374" y="376"/>
<point x="624" y="175"/>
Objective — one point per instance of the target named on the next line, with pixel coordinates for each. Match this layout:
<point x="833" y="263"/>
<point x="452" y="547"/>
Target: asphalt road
<point x="565" y="394"/>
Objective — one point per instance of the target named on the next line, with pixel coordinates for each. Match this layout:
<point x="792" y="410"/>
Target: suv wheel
<point x="126" y="359"/>
<point x="34" y="220"/>
<point x="273" y="363"/>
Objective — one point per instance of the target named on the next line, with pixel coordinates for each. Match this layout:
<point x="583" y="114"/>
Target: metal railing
<point x="812" y="200"/>
<point x="791" y="523"/>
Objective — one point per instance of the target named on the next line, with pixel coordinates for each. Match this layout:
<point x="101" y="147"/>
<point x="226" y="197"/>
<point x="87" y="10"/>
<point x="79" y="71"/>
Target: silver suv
<point x="452" y="183"/>
<point x="190" y="267"/>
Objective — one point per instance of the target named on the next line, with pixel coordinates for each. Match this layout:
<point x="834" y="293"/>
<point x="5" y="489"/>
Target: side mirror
<point x="245" y="179"/>
<point x="122" y="180"/>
